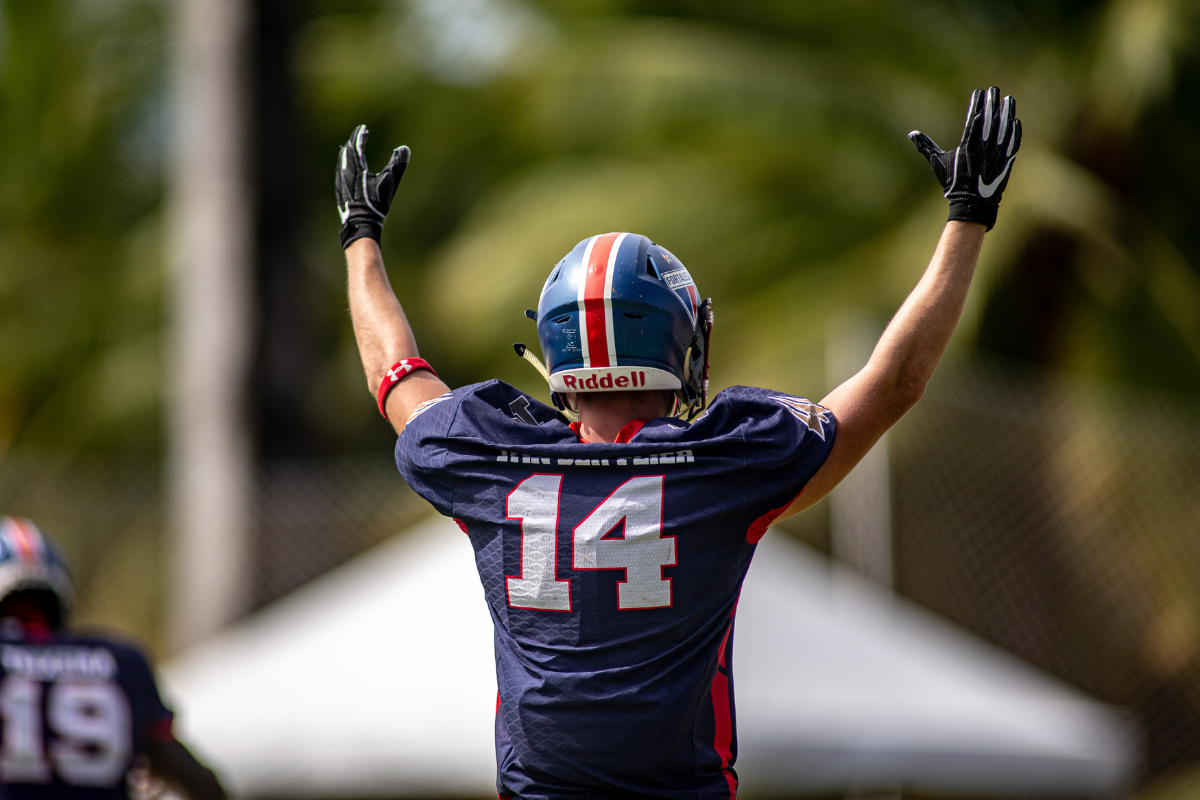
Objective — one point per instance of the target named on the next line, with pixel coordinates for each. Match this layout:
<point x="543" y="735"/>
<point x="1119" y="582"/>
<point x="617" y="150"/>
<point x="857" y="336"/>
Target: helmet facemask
<point x="692" y="399"/>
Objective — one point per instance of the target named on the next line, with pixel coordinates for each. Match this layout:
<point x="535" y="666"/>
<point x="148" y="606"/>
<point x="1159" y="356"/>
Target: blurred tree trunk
<point x="1026" y="316"/>
<point x="242" y="298"/>
<point x="210" y="447"/>
<point x="286" y="355"/>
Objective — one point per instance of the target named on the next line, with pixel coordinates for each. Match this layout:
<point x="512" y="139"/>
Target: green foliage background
<point x="81" y="266"/>
<point x="765" y="145"/>
<point x="762" y="141"/>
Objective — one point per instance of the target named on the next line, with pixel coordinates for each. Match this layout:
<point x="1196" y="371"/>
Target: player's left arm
<point x="380" y="326"/>
<point x="974" y="176"/>
<point x="902" y="363"/>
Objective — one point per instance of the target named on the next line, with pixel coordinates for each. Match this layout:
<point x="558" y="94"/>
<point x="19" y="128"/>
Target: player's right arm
<point x="974" y="176"/>
<point x="380" y="327"/>
<point x="174" y="763"/>
<point x="168" y="759"/>
<point x="383" y="333"/>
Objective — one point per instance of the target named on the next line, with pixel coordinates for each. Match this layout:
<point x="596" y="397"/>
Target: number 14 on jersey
<point x="642" y="552"/>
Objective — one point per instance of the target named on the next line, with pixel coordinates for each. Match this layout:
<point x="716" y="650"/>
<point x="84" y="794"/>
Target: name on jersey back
<point x="657" y="459"/>
<point x="56" y="663"/>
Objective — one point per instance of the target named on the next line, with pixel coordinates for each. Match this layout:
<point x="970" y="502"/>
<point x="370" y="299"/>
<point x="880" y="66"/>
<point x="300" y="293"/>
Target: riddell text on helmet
<point x="615" y="379"/>
<point x="606" y="381"/>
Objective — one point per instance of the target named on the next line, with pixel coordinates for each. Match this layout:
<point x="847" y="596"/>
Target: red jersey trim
<point x="630" y="430"/>
<point x="722" y="718"/>
<point x="758" y="528"/>
<point x="624" y="435"/>
<point x="161" y="731"/>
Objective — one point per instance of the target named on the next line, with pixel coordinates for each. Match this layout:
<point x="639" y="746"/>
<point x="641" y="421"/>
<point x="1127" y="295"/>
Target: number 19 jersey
<point x="612" y="573"/>
<point x="74" y="712"/>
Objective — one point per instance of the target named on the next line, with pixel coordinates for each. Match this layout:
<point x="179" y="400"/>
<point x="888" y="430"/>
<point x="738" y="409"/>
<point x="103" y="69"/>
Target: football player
<point x="613" y="529"/>
<point x="77" y="713"/>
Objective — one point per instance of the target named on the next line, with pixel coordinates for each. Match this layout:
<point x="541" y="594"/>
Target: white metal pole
<point x="210" y="217"/>
<point x="860" y="515"/>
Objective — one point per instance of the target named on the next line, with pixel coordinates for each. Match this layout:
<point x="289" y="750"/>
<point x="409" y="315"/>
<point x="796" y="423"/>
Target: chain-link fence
<point x="109" y="517"/>
<point x="316" y="514"/>
<point x="1055" y="517"/>
<point x="1059" y="519"/>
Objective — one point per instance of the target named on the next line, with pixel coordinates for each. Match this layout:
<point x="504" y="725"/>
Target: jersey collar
<point x="624" y="435"/>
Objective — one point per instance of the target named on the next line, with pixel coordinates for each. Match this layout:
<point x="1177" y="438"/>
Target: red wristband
<point x="400" y="370"/>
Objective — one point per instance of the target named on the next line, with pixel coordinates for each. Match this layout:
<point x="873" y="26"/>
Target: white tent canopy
<point x="377" y="680"/>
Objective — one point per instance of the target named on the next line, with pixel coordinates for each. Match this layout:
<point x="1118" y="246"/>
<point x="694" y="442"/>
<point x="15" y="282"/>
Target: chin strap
<point x="525" y="353"/>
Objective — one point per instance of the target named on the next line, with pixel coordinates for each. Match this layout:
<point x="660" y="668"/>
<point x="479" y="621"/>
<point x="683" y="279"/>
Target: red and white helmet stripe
<point x="28" y="560"/>
<point x="694" y="296"/>
<point x="25" y="540"/>
<point x="595" y="300"/>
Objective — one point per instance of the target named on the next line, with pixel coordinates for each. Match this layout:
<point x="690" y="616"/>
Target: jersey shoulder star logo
<point x="815" y="417"/>
<point x="520" y="411"/>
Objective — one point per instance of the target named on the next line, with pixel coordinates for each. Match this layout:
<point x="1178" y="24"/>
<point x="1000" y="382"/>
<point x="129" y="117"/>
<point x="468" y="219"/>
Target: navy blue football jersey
<point x="74" y="711"/>
<point x="612" y="574"/>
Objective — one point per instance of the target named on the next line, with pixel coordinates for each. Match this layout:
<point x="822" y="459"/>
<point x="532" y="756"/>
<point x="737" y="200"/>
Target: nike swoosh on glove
<point x="363" y="197"/>
<point x="975" y="173"/>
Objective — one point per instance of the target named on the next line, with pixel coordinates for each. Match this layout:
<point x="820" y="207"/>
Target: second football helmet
<point x="30" y="561"/>
<point x="621" y="313"/>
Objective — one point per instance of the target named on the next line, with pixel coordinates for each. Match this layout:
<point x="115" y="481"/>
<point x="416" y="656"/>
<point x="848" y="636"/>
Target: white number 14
<point x="642" y="552"/>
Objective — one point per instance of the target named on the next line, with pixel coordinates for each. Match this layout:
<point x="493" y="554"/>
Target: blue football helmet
<point x="29" y="561"/>
<point x="621" y="313"/>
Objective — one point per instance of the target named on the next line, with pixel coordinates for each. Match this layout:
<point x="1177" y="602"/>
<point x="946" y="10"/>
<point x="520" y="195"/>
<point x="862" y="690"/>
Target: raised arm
<point x="385" y="339"/>
<point x="974" y="176"/>
<point x="903" y="361"/>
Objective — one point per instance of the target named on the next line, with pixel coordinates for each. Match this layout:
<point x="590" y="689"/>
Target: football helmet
<point x="621" y="313"/>
<point x="30" y="561"/>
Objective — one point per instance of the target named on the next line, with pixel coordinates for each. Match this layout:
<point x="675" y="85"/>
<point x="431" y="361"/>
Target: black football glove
<point x="975" y="173"/>
<point x="363" y="197"/>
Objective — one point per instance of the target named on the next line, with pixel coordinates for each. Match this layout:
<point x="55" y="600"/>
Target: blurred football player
<point x="613" y="530"/>
<point x="77" y="713"/>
